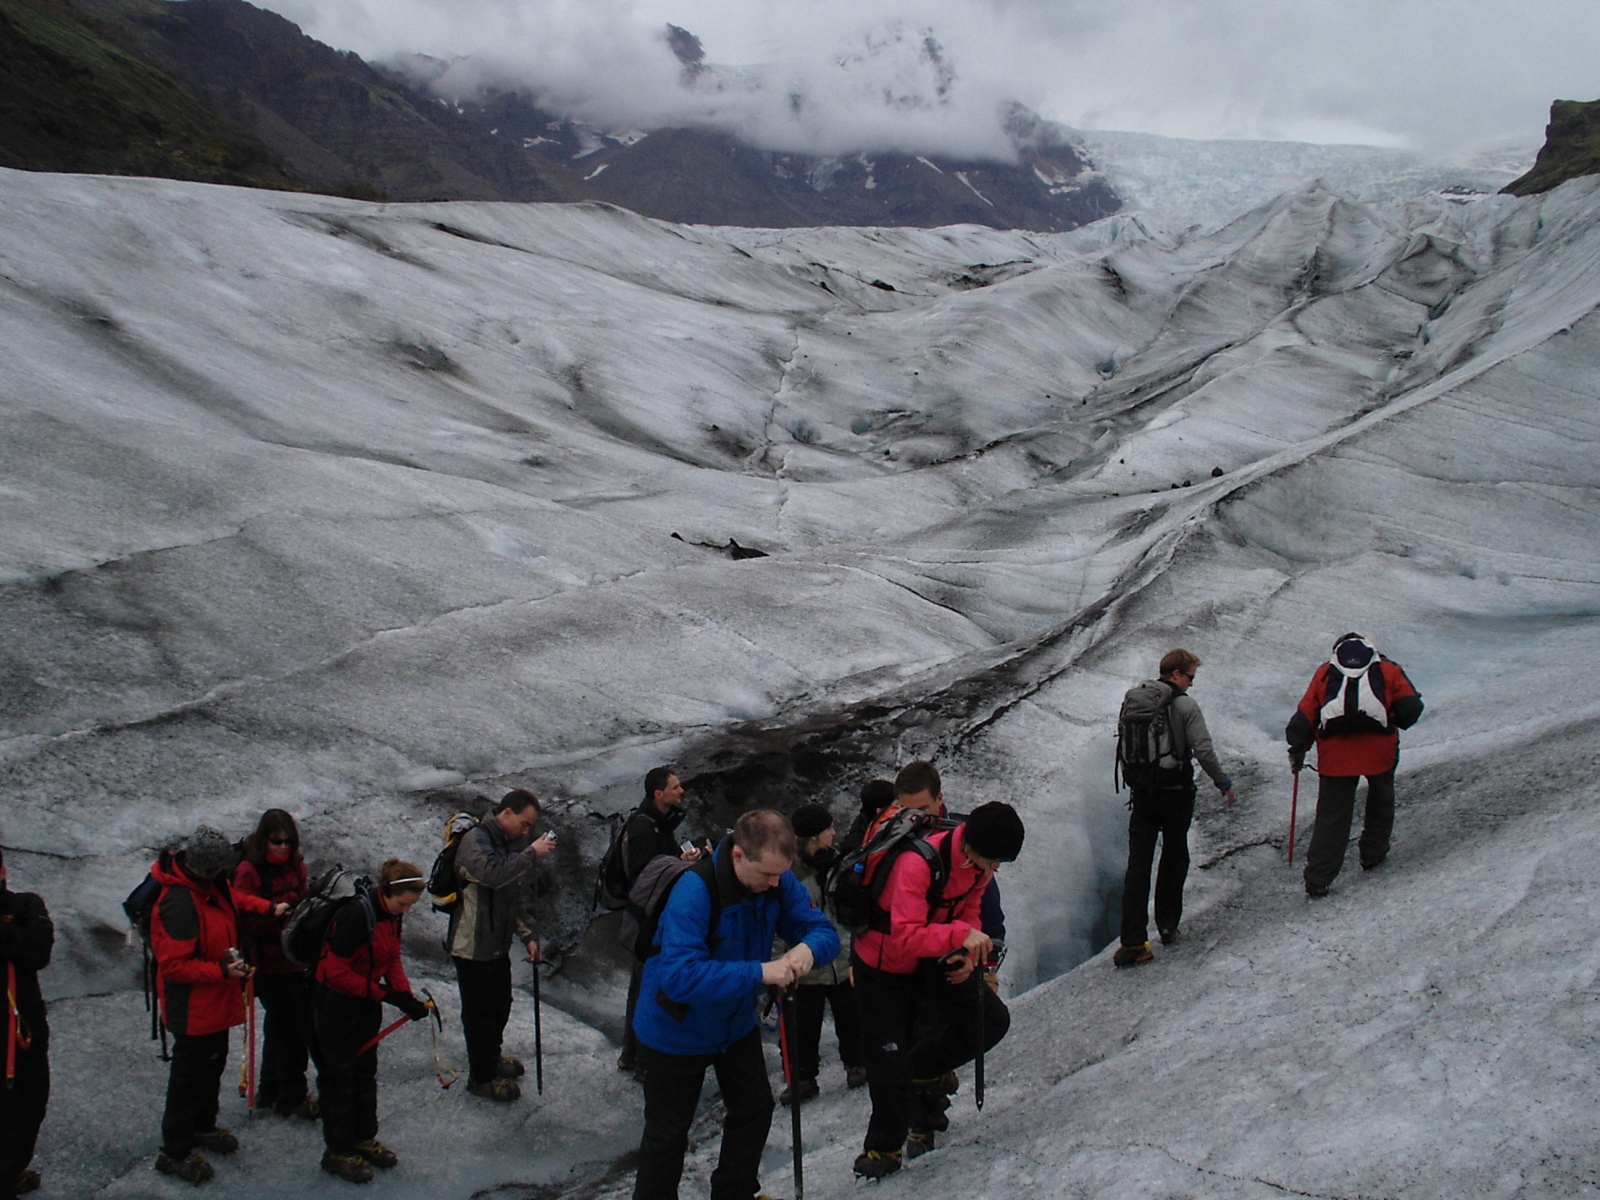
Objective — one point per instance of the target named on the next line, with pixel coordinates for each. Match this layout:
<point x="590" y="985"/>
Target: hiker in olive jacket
<point x="1166" y="811"/>
<point x="497" y="862"/>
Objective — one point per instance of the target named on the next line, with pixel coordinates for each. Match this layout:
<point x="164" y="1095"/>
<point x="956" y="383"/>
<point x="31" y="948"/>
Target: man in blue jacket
<point x="697" y="1002"/>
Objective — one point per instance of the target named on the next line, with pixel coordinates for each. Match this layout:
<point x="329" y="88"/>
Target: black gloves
<point x="408" y="1004"/>
<point x="1297" y="759"/>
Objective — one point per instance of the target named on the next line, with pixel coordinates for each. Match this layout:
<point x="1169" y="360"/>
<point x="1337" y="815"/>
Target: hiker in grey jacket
<point x="497" y="862"/>
<point x="1165" y="810"/>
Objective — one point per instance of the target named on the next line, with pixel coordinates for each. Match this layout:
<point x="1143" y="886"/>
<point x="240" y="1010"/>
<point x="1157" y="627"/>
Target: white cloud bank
<point x="835" y="75"/>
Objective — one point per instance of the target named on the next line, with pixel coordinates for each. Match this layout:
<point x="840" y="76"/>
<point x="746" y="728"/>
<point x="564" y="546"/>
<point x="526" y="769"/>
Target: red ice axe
<point x="386" y="1031"/>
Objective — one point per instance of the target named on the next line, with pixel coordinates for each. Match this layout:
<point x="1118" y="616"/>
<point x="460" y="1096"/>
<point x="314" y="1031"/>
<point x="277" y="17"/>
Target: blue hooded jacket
<point x="698" y="996"/>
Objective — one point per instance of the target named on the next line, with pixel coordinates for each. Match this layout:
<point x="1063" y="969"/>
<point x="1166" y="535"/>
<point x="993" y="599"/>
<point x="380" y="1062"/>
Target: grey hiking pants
<point x="1336" y="803"/>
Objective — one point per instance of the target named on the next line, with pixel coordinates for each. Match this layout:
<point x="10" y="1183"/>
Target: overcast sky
<point x="1432" y="75"/>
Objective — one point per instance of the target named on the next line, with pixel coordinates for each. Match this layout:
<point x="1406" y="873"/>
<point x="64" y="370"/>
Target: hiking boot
<point x="218" y="1141"/>
<point x="855" y="1077"/>
<point x="919" y="1142"/>
<point x="194" y="1169"/>
<point x="511" y="1068"/>
<point x="1372" y="864"/>
<point x="1316" y="890"/>
<point x="348" y="1165"/>
<point x="376" y="1153"/>
<point x="875" y="1164"/>
<point x="1132" y="956"/>
<point x="28" y="1181"/>
<point x="499" y="1089"/>
<point x="947" y="1084"/>
<point x="308" y="1109"/>
<point x="806" y="1089"/>
<point x="1168" y="936"/>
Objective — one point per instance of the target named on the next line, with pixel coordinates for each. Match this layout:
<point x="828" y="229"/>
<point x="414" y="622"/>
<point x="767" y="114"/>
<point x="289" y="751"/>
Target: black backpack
<point x="855" y="890"/>
<point x="444" y="881"/>
<point x="648" y="897"/>
<point x="611" y="876"/>
<point x="141" y="902"/>
<point x="1145" y="755"/>
<point x="305" y="929"/>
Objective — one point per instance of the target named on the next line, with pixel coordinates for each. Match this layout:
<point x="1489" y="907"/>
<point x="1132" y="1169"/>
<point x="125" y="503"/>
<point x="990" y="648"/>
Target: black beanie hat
<point x="876" y="795"/>
<point x="810" y="819"/>
<point x="995" y="831"/>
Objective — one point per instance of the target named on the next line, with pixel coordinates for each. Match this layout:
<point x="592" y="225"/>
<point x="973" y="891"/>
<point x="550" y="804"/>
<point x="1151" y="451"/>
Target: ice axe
<point x="247" y="1085"/>
<point x="1294" y="805"/>
<point x="391" y="1027"/>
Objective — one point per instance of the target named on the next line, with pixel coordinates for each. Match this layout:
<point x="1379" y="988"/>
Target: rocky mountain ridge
<point x="222" y="91"/>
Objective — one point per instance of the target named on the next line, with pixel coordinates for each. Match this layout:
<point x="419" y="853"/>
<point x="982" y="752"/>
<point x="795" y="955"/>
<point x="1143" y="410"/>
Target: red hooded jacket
<point x="192" y="929"/>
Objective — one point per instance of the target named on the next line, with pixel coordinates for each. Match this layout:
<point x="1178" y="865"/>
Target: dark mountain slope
<point x="345" y="127"/>
<point x="1571" y="148"/>
<point x="73" y="98"/>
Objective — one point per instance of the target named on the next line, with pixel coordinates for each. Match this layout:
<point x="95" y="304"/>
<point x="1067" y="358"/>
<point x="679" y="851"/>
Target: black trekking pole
<point x="785" y="1044"/>
<point x="977" y="1060"/>
<point x="538" y="1033"/>
<point x="536" y="956"/>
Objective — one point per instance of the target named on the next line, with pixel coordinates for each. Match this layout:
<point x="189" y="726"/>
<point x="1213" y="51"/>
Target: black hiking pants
<point x="284" y="1031"/>
<point x="348" y="1083"/>
<point x="485" y="1008"/>
<point x="194" y="1089"/>
<point x="811" y="1003"/>
<point x="672" y="1086"/>
<point x="917" y="1027"/>
<point x="1165" y="813"/>
<point x="630" y="1041"/>
<point x="1336" y="804"/>
<point x="22" y="1108"/>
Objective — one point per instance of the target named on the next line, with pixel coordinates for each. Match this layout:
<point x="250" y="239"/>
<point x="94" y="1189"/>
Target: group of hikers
<point x="895" y="927"/>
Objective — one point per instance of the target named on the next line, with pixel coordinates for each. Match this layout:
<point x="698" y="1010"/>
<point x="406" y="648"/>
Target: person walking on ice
<point x="1160" y="734"/>
<point x="1352" y="712"/>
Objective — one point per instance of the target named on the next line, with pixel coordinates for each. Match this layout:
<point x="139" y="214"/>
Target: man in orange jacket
<point x="1353" y="711"/>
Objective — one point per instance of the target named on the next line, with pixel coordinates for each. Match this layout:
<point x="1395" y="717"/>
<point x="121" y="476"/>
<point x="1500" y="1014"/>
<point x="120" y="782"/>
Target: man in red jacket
<point x="1353" y="712"/>
<point x="194" y="935"/>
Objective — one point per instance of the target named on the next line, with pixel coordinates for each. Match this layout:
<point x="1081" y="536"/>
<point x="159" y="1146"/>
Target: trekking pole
<point x="1294" y="805"/>
<point x="977" y="1059"/>
<point x="786" y="1018"/>
<point x="385" y="1032"/>
<point x="538" y="1034"/>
